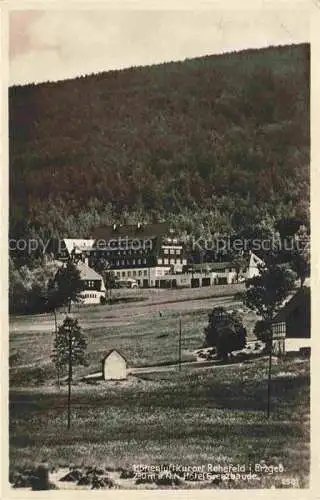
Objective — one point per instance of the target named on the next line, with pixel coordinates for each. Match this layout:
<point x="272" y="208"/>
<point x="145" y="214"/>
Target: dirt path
<point x="172" y="367"/>
<point x="118" y="314"/>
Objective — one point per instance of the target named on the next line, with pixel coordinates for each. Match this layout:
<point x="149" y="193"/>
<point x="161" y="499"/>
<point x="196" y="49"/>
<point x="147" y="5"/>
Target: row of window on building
<point x="167" y="262"/>
<point x="172" y="251"/>
<point x="89" y="295"/>
<point x="130" y="262"/>
<point x="91" y="284"/>
<point x="131" y="274"/>
<point x="139" y="262"/>
<point x="141" y="251"/>
<point x="112" y="253"/>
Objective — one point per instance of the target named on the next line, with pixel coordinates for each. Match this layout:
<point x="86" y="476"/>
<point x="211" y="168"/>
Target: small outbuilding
<point x="114" y="366"/>
<point x="291" y="326"/>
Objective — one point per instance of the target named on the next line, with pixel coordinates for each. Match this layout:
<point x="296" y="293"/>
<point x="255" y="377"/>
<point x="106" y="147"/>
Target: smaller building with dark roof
<point x="94" y="287"/>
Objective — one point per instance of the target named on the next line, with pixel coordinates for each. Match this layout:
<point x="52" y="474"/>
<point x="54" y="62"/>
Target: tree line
<point x="219" y="141"/>
<point x="288" y="242"/>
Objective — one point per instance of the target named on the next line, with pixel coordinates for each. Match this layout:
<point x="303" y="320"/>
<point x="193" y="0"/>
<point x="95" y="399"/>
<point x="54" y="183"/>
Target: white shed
<point x="114" y="366"/>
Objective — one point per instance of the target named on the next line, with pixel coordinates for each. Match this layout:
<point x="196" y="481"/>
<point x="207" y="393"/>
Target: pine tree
<point x="70" y="346"/>
<point x="265" y="294"/>
<point x="69" y="284"/>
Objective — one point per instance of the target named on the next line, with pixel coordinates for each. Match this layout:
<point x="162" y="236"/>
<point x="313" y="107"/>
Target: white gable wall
<point x="71" y="243"/>
<point x="253" y="270"/>
<point x="114" y="367"/>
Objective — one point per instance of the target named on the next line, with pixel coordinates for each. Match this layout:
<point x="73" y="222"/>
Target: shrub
<point x="19" y="480"/>
<point x="102" y="482"/>
<point x="36" y="478"/>
<point x="262" y="330"/>
<point x="84" y="481"/>
<point x="14" y="358"/>
<point x="72" y="476"/>
<point x="225" y="332"/>
<point x="127" y="474"/>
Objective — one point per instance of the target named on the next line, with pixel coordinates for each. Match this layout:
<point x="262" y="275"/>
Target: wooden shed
<point x="114" y="366"/>
<point x="291" y="326"/>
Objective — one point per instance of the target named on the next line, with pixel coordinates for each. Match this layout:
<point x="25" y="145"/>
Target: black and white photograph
<point x="159" y="282"/>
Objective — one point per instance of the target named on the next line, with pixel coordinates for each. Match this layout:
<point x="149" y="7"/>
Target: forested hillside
<point x="222" y="140"/>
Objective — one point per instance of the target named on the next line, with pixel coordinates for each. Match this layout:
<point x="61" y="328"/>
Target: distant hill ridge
<point x="160" y="65"/>
<point x="218" y="133"/>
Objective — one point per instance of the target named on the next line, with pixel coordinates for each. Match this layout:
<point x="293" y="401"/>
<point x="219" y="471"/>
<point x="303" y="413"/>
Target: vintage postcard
<point x="159" y="284"/>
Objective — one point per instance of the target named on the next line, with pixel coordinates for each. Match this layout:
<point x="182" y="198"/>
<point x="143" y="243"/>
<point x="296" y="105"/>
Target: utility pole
<point x="269" y="375"/>
<point x="180" y="335"/>
<point x="56" y="330"/>
<point x="69" y="378"/>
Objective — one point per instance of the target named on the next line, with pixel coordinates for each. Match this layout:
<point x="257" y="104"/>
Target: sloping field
<point x="146" y="333"/>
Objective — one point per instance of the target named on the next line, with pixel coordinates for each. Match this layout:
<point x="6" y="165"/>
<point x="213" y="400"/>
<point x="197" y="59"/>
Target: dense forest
<point x="217" y="143"/>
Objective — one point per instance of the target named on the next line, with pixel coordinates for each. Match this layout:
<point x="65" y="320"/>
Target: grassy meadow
<point x="146" y="333"/>
<point x="213" y="415"/>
